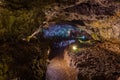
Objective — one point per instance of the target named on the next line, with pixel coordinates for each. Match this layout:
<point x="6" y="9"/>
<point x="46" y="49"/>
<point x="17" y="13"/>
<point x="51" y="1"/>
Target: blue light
<point x="83" y="37"/>
<point x="62" y="32"/>
<point x="63" y="43"/>
<point x="58" y="31"/>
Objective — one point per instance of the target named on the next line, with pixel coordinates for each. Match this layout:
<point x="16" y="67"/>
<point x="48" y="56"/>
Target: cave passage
<point x="64" y="34"/>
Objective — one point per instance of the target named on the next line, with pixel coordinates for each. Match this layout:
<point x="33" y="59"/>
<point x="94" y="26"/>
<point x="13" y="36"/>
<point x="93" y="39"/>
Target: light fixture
<point x="74" y="47"/>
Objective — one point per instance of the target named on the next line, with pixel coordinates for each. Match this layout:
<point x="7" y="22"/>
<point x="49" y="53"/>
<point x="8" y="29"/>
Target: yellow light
<point x="74" y="47"/>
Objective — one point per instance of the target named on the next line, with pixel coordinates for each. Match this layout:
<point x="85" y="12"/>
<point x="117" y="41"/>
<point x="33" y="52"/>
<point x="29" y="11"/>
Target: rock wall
<point x="98" y="62"/>
<point x="20" y="18"/>
<point x="22" y="61"/>
<point x="18" y="59"/>
<point x="101" y="17"/>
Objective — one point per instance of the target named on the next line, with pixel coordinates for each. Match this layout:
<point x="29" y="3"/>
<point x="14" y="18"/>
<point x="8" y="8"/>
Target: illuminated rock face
<point x="65" y="31"/>
<point x="62" y="35"/>
<point x="97" y="62"/>
<point x="61" y="31"/>
<point x="102" y="17"/>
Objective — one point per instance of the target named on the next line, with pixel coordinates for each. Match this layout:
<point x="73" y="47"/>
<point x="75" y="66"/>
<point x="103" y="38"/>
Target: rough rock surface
<point x="17" y="20"/>
<point x="22" y="61"/>
<point x="97" y="62"/>
<point x="101" y="17"/>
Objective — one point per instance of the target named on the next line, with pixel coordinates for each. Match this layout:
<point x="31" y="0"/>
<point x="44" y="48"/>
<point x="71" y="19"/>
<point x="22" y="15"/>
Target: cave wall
<point x="24" y="61"/>
<point x="20" y="59"/>
<point x="20" y="18"/>
<point x="100" y="17"/>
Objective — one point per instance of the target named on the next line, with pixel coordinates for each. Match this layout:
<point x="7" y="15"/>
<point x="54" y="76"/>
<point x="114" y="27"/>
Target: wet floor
<point x="59" y="68"/>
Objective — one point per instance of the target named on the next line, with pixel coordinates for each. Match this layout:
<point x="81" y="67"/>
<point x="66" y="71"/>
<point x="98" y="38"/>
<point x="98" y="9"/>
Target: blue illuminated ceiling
<point x="59" y="31"/>
<point x="65" y="34"/>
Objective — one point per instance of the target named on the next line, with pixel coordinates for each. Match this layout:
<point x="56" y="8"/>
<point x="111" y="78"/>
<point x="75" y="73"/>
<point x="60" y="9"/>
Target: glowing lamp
<point x="74" y="47"/>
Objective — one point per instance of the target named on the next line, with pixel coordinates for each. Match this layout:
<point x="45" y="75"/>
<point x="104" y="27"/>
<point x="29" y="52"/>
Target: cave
<point x="60" y="40"/>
